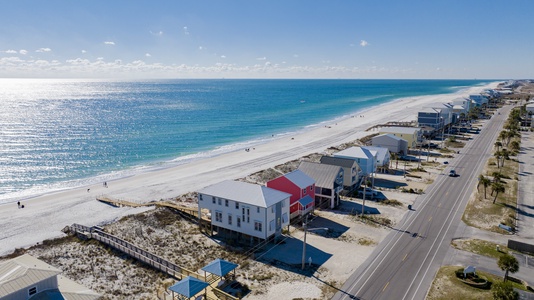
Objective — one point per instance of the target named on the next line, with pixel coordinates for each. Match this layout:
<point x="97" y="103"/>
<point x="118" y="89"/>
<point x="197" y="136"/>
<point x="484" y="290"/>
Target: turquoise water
<point x="57" y="134"/>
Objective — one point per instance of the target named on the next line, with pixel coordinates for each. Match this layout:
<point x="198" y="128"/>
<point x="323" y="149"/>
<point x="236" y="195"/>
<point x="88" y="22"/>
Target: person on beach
<point x="88" y="190"/>
<point x="18" y="203"/>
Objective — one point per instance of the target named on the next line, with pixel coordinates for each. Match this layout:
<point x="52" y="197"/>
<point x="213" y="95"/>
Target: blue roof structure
<point x="219" y="267"/>
<point x="306" y="200"/>
<point x="188" y="286"/>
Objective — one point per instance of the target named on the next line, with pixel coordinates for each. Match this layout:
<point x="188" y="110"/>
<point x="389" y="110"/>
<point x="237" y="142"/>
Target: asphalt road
<point x="405" y="263"/>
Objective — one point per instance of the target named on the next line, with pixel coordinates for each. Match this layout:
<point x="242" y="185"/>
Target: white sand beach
<point x="43" y="217"/>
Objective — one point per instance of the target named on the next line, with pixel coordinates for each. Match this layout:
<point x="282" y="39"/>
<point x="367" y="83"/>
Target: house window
<point x="238" y="222"/>
<point x="200" y="197"/>
<point x="272" y="209"/>
<point x="218" y="216"/>
<point x="226" y="202"/>
<point x="304" y="191"/>
<point x="311" y="188"/>
<point x="213" y="200"/>
<point x="246" y="214"/>
<point x="229" y="219"/>
<point x="32" y="291"/>
<point x="237" y="205"/>
<point x="271" y="225"/>
<point x="284" y="217"/>
<point x="258" y="209"/>
<point x="257" y="226"/>
<point x="219" y="201"/>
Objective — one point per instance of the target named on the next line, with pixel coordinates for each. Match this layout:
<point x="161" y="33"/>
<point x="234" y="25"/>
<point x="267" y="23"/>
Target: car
<point x="445" y="162"/>
<point x="452" y="173"/>
<point x="369" y="193"/>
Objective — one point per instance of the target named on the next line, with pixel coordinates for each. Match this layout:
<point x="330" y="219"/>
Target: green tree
<point x="509" y="264"/>
<point x="498" y="145"/>
<point x="498" y="155"/>
<point x="504" y="291"/>
<point x="515" y="146"/>
<point x="497" y="187"/>
<point x="485" y="182"/>
<point x="505" y="154"/>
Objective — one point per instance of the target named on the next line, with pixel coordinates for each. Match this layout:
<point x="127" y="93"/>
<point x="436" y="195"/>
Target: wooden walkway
<point x="190" y="212"/>
<point x="148" y="258"/>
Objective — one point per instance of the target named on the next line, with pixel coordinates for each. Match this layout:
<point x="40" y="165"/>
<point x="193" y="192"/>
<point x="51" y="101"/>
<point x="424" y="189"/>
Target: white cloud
<point x="41" y="50"/>
<point x="364" y="43"/>
<point x="148" y="55"/>
<point x="186" y="30"/>
<point x="10" y="51"/>
<point x="23" y="52"/>
<point x="261" y="58"/>
<point x="159" y="33"/>
<point x="109" y="43"/>
<point x="223" y="56"/>
<point x="83" y="51"/>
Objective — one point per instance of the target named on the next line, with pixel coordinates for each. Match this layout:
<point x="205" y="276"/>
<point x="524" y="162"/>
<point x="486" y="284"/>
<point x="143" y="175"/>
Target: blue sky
<point x="491" y="39"/>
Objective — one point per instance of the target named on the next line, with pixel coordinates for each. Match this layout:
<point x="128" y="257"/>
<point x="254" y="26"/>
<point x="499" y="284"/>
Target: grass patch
<point x="392" y="202"/>
<point x="481" y="247"/>
<point x="446" y="286"/>
<point x="482" y="213"/>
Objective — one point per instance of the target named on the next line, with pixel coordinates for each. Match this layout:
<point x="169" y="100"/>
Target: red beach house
<point x="302" y="190"/>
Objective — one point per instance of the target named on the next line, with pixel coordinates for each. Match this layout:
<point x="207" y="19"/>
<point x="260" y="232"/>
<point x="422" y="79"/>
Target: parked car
<point x="369" y="193"/>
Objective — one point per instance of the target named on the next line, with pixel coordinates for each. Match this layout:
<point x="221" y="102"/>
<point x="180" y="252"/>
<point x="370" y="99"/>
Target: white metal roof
<point x="400" y="130"/>
<point x="22" y="272"/>
<point x="300" y="179"/>
<point x="356" y="152"/>
<point x="244" y="192"/>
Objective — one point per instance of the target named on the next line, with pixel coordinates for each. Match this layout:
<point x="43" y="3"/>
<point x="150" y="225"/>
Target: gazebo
<point x="219" y="267"/>
<point x="188" y="287"/>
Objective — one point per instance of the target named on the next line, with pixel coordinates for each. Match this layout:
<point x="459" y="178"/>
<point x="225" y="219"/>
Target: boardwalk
<point x="148" y="258"/>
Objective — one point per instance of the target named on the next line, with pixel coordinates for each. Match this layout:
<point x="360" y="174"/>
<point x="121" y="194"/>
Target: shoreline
<point x="45" y="215"/>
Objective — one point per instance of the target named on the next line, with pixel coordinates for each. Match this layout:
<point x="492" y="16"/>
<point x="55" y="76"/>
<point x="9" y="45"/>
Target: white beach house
<point x="365" y="158"/>
<point x="245" y="210"/>
<point x="393" y="143"/>
<point x="26" y="277"/>
<point x="382" y="157"/>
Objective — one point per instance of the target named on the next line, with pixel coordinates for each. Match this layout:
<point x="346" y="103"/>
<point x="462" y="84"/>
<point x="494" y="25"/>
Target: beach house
<point x="26" y="277"/>
<point x="382" y="156"/>
<point x="352" y="173"/>
<point x="478" y="99"/>
<point x="363" y="157"/>
<point x="393" y="143"/>
<point x="244" y="210"/>
<point x="412" y="135"/>
<point x="328" y="182"/>
<point x="460" y="106"/>
<point x="302" y="190"/>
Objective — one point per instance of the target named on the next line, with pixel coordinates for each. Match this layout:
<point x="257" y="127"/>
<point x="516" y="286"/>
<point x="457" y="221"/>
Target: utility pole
<point x="364" y="190"/>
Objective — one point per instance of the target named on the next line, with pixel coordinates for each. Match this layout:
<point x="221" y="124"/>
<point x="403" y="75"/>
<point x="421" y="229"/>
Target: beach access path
<point x="44" y="216"/>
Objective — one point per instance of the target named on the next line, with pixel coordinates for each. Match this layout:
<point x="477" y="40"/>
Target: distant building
<point x="382" y="157"/>
<point x="478" y="99"/>
<point x="302" y="190"/>
<point x="365" y="158"/>
<point x="393" y="143"/>
<point x="352" y="173"/>
<point x="461" y="106"/>
<point x="245" y="210"/>
<point x="26" y="277"/>
<point x="328" y="182"/>
<point x="412" y="135"/>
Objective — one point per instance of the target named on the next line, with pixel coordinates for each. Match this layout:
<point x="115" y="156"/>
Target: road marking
<point x="405" y="256"/>
<point x="429" y="219"/>
<point x="385" y="287"/>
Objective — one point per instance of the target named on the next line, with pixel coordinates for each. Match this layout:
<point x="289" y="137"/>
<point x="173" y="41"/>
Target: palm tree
<point x="497" y="176"/>
<point x="515" y="146"/>
<point x="497" y="187"/>
<point x="498" y="155"/>
<point x="498" y="145"/>
<point x="505" y="154"/>
<point x="508" y="263"/>
<point x="504" y="291"/>
<point x="485" y="182"/>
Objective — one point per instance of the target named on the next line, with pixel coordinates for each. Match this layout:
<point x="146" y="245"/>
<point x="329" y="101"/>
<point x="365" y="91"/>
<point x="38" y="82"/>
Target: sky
<point x="367" y="39"/>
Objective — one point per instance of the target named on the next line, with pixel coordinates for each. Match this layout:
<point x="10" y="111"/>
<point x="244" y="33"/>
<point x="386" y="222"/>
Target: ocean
<point x="59" y="134"/>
